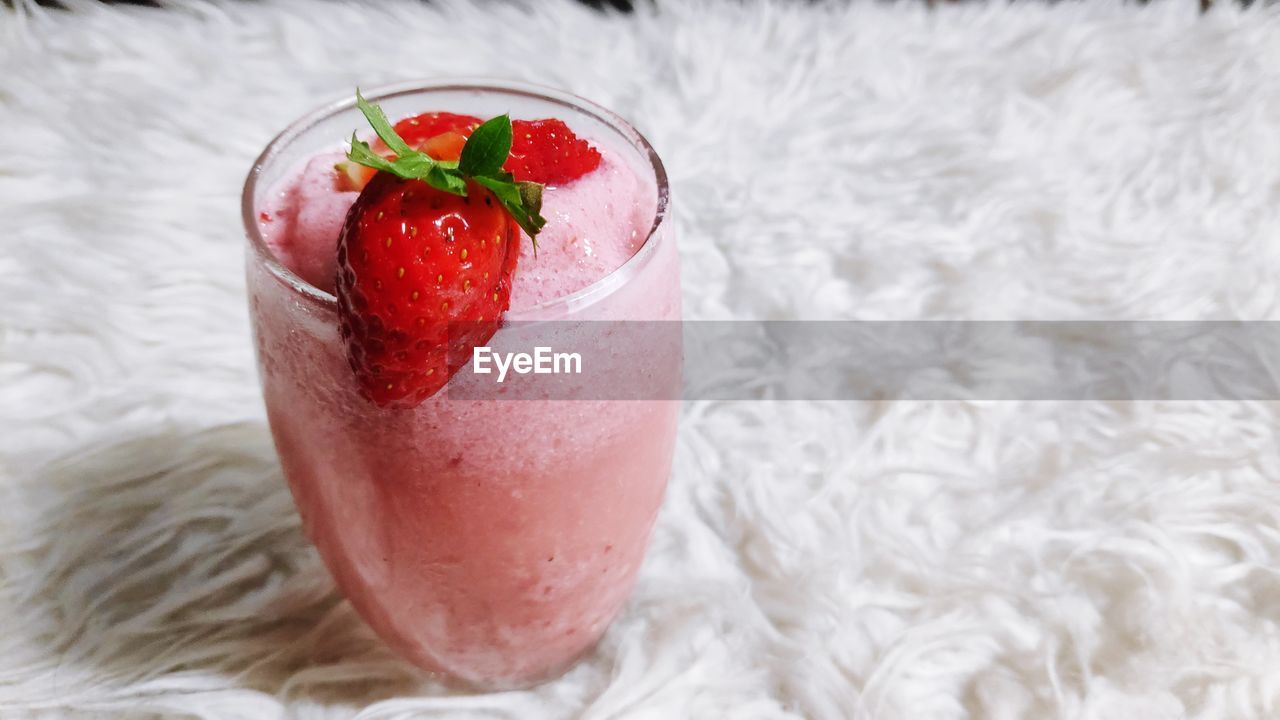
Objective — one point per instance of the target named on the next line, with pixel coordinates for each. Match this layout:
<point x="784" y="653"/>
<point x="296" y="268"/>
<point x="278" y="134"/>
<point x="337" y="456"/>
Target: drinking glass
<point x="489" y="540"/>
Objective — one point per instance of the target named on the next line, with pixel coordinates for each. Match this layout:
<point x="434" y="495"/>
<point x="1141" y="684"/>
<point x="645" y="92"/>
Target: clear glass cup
<point x="491" y="541"/>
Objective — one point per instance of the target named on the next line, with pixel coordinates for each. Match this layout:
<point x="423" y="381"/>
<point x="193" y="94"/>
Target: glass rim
<point x="585" y="296"/>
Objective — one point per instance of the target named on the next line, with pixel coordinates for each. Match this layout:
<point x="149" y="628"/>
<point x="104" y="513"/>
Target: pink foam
<point x="594" y="224"/>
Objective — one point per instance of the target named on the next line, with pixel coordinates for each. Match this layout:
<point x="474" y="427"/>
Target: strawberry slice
<point x="547" y="152"/>
<point x="446" y="146"/>
<point x="426" y="255"/>
<point x="352" y="177"/>
<point x="420" y="128"/>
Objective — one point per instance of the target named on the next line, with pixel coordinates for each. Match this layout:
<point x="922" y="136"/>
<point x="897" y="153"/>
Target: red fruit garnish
<point x="415" y="131"/>
<point x="423" y="277"/>
<point x="446" y="146"/>
<point x="352" y="177"/>
<point x="420" y="128"/>
<point x="547" y="152"/>
<point x="426" y="255"/>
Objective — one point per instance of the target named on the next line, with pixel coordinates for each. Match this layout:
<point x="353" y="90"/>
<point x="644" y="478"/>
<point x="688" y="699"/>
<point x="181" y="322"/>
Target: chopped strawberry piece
<point x="547" y="151"/>
<point x="445" y="146"/>
<point x="417" y="132"/>
<point x="420" y="128"/>
<point x="352" y="177"/>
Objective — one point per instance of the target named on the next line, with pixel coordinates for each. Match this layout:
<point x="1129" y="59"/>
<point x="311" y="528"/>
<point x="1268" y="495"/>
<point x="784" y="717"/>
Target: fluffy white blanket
<point x="824" y="560"/>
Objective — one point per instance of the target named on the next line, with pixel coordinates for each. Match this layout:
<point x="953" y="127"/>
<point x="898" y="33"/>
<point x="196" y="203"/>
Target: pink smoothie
<point x="492" y="541"/>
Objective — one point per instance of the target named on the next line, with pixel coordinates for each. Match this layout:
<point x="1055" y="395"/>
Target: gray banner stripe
<point x="910" y="360"/>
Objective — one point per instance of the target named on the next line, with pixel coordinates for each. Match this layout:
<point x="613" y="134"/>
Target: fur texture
<point x="821" y="560"/>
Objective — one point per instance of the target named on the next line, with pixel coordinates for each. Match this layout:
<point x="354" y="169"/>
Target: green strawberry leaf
<point x="448" y="180"/>
<point x="487" y="148"/>
<point x="510" y="197"/>
<point x="361" y="153"/>
<point x="419" y="166"/>
<point x="531" y="198"/>
<point x="382" y="126"/>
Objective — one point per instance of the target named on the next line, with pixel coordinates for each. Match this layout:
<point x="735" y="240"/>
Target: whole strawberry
<point x="425" y="259"/>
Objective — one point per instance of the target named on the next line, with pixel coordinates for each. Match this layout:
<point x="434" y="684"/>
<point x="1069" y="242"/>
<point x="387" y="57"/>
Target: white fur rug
<point x="821" y="560"/>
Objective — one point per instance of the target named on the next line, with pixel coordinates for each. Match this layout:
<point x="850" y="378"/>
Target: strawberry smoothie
<point x="487" y="540"/>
